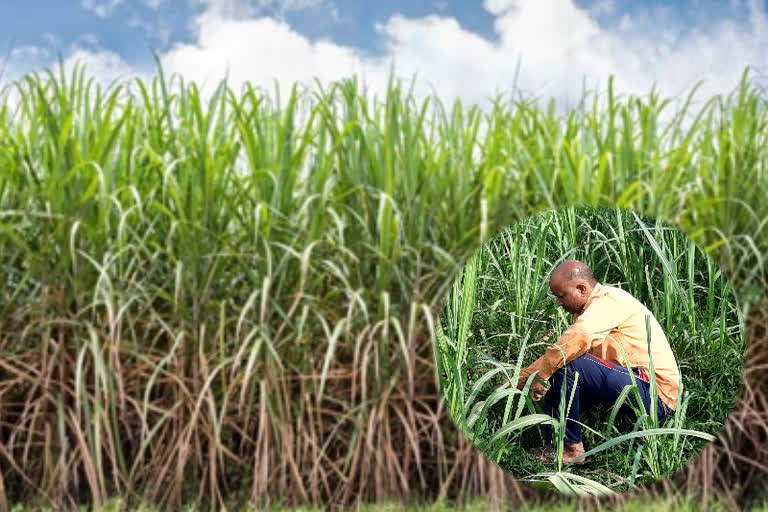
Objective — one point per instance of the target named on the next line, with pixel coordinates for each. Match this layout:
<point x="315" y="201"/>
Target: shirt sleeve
<point x="589" y="328"/>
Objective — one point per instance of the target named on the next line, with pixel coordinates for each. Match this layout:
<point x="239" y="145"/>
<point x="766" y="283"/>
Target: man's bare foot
<point x="570" y="452"/>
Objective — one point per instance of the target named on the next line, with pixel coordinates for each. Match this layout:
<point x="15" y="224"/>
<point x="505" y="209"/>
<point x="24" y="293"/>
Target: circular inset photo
<point x="590" y="350"/>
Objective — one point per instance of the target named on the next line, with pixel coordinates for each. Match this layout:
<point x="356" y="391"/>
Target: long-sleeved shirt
<point x="613" y="312"/>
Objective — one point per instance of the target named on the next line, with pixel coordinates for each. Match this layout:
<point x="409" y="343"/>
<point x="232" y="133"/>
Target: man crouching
<point x="604" y="316"/>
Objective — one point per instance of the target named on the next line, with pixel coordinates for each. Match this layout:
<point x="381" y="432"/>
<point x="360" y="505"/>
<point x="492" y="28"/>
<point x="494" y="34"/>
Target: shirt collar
<point x="594" y="293"/>
<point x="592" y="296"/>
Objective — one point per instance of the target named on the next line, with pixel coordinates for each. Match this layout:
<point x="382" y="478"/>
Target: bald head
<point x="574" y="270"/>
<point x="572" y="282"/>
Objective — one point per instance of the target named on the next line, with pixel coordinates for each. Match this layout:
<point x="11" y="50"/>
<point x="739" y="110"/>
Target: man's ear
<point x="582" y="288"/>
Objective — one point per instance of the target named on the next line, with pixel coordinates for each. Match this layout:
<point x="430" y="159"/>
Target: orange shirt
<point x="614" y="312"/>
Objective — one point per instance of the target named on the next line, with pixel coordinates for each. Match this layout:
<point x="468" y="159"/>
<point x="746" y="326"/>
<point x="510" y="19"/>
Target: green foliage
<point x="675" y="504"/>
<point x="230" y="296"/>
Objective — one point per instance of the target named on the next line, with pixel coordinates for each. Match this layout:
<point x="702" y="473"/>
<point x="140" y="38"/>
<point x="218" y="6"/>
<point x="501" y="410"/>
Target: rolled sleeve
<point x="588" y="329"/>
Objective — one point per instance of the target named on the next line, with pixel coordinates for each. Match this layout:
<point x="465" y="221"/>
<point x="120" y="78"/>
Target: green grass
<point x="231" y="298"/>
<point x="496" y="320"/>
<point x="681" y="504"/>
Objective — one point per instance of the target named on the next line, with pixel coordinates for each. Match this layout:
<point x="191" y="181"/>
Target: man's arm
<point x="598" y="320"/>
<point x="574" y="342"/>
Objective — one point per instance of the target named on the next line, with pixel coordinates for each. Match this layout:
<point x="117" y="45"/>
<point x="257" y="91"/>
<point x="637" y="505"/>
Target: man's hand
<point x="537" y="389"/>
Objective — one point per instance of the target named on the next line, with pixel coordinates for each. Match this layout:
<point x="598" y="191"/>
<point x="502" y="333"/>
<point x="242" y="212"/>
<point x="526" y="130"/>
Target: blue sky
<point x="458" y="47"/>
<point x="133" y="27"/>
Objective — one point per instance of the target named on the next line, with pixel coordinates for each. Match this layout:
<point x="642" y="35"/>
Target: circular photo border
<point x="572" y="295"/>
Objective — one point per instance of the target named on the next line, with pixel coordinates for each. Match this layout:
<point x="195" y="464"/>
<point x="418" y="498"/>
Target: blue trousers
<point x="599" y="381"/>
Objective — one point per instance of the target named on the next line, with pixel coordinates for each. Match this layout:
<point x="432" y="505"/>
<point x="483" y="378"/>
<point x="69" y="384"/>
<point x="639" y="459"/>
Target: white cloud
<point x="258" y="50"/>
<point x="101" y="8"/>
<point x="226" y="8"/>
<point x="239" y="9"/>
<point x="153" y="4"/>
<point x="558" y="45"/>
<point x="545" y="29"/>
<point x="458" y="60"/>
<point x="106" y="66"/>
<point x="288" y="5"/>
<point x="29" y="52"/>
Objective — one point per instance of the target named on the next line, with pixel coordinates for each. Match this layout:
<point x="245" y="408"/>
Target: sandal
<point x="546" y="455"/>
